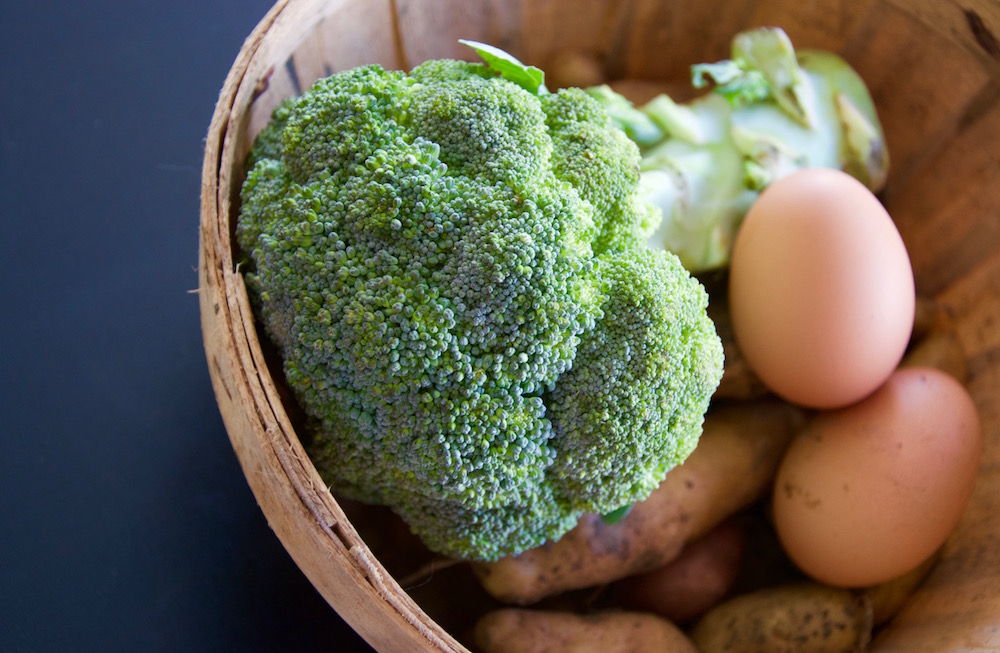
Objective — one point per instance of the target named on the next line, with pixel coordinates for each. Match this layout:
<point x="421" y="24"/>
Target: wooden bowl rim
<point x="311" y="525"/>
<point x="282" y="462"/>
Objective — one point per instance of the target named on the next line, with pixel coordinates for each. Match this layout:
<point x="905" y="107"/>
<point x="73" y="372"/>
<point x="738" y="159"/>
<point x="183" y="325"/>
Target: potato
<point x="888" y="597"/>
<point x="940" y="350"/>
<point x="738" y="380"/>
<point x="799" y="618"/>
<point x="733" y="466"/>
<point x="930" y="316"/>
<point x="574" y="68"/>
<point x="695" y="581"/>
<point x="519" y="630"/>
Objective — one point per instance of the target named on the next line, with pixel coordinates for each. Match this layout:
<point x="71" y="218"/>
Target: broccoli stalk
<point x="452" y="264"/>
<point x="773" y="111"/>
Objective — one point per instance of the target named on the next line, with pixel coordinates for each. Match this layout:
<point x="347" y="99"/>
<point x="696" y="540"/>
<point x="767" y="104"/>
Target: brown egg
<point x="868" y="492"/>
<point x="821" y="289"/>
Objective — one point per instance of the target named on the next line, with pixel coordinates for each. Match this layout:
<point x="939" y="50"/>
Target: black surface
<point x="125" y="522"/>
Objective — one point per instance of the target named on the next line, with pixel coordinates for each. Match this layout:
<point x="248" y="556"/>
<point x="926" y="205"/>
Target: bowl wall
<point x="933" y="67"/>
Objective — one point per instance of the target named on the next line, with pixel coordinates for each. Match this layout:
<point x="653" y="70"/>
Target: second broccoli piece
<point x="451" y="264"/>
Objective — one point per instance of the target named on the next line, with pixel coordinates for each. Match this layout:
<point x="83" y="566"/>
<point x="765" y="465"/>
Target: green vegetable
<point x="773" y="111"/>
<point x="452" y="265"/>
<point x="529" y="78"/>
<point x="617" y="515"/>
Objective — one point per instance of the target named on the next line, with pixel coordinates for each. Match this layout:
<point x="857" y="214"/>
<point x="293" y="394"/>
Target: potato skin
<point x="699" y="578"/>
<point x="940" y="350"/>
<point x="521" y="630"/>
<point x="733" y="466"/>
<point x="738" y="380"/>
<point x="889" y="597"/>
<point x="798" y="618"/>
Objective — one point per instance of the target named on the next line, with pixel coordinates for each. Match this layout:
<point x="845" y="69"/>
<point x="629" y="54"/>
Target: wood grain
<point x="934" y="70"/>
<point x="431" y="30"/>
<point x="960" y="179"/>
<point x="921" y="82"/>
<point x="827" y="24"/>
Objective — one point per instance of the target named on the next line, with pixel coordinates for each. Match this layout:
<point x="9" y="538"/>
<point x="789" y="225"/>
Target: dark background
<point x="125" y="521"/>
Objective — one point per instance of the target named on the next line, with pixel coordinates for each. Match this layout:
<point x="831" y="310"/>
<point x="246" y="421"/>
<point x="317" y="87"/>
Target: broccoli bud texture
<point x="451" y="263"/>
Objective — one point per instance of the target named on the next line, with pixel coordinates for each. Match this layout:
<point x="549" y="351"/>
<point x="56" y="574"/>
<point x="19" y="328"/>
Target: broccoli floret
<point x="451" y="266"/>
<point x="600" y="162"/>
<point x="644" y="369"/>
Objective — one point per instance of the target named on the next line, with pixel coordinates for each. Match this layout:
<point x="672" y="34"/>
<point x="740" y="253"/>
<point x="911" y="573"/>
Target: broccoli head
<point x="451" y="265"/>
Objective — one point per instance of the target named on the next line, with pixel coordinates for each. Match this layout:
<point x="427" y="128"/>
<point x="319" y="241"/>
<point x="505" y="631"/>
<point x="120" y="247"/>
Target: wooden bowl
<point x="933" y="67"/>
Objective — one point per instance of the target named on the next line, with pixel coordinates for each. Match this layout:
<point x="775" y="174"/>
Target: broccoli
<point x="451" y="264"/>
<point x="773" y="111"/>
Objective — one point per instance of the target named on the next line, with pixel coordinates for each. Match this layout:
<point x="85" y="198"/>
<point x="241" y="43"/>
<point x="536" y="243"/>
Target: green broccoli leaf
<point x="734" y="82"/>
<point x="530" y="78"/>
<point x="770" y="51"/>
<point x="616" y="515"/>
<point x="763" y="66"/>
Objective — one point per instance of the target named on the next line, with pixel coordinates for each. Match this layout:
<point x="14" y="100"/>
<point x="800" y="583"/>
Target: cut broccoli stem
<point x="771" y="111"/>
